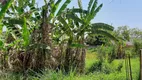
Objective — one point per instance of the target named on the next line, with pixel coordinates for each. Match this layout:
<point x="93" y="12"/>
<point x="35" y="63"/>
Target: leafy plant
<point x="76" y="24"/>
<point x="3" y="12"/>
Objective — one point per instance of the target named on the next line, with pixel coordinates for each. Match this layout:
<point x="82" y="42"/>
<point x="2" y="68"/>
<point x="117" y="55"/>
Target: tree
<point x="76" y="27"/>
<point x="135" y="33"/>
<point x="124" y="32"/>
<point x="123" y="35"/>
<point x="96" y="40"/>
<point x="31" y="30"/>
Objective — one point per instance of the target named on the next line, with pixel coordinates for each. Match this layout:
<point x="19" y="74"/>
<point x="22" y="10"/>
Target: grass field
<point x="109" y="71"/>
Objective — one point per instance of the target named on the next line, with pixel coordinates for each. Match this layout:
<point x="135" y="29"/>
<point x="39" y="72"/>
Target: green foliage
<point x="115" y="70"/>
<point x="80" y="25"/>
<point x="93" y="10"/>
<point x="10" y="76"/>
<point x="123" y="32"/>
<point x="78" y="10"/>
<point x="111" y="68"/>
<point x="104" y="67"/>
<point x="96" y="67"/>
<point x="25" y="34"/>
<point x="120" y="65"/>
<point x="95" y="40"/>
<point x="102" y="26"/>
<point x="63" y="7"/>
<point x="70" y="26"/>
<point x="135" y="34"/>
<point x="1" y="44"/>
<point x="3" y="12"/>
<point x="76" y="45"/>
<point x="103" y="29"/>
<point x="56" y="6"/>
<point x="5" y="8"/>
<point x="75" y="18"/>
<point x="80" y="4"/>
<point x="106" y="53"/>
<point x="137" y="46"/>
<point x="90" y="5"/>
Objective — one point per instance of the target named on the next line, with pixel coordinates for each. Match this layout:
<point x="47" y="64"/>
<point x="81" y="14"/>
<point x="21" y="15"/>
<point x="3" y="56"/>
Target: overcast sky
<point x="115" y="12"/>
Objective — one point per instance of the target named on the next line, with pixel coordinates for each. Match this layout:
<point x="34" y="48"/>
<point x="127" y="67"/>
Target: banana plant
<point x="50" y="11"/>
<point x="21" y="19"/>
<point x="92" y="28"/>
<point x="77" y="26"/>
<point x="22" y="10"/>
<point x="48" y="15"/>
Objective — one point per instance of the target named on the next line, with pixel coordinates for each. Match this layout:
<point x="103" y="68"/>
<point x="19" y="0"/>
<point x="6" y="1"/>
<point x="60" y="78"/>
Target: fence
<point x="128" y="67"/>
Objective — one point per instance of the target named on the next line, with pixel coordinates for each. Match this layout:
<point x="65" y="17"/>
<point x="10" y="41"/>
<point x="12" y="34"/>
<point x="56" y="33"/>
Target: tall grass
<point x="112" y="68"/>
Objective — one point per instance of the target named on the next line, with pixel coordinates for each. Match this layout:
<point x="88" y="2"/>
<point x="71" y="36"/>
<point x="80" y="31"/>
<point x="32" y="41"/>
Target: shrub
<point x="137" y="46"/>
<point x="106" y="68"/>
<point x="119" y="67"/>
<point x="95" y="67"/>
<point x="99" y="66"/>
<point x="106" y="53"/>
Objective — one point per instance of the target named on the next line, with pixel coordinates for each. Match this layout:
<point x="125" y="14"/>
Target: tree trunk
<point x="82" y="62"/>
<point x="82" y="53"/>
<point x="120" y="52"/>
<point x="75" y="59"/>
<point x="67" y="60"/>
<point x="44" y="53"/>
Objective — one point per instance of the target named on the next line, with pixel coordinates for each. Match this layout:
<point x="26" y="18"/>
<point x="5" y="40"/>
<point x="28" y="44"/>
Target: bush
<point x="96" y="40"/>
<point x="95" y="67"/>
<point x="120" y="65"/>
<point x="107" y="69"/>
<point x="99" y="66"/>
<point x="106" y="53"/>
<point x="137" y="46"/>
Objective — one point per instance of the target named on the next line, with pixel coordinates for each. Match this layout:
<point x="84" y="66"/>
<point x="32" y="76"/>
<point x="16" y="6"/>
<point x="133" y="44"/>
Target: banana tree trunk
<point x="82" y="62"/>
<point x="67" y="63"/>
<point x="44" y="53"/>
<point x="81" y="55"/>
<point x="46" y="38"/>
<point x="67" y="60"/>
<point x="75" y="59"/>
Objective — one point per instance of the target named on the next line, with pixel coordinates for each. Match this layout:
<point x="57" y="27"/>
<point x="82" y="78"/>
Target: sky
<point x="114" y="12"/>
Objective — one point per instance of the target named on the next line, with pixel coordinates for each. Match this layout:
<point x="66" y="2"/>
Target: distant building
<point x="129" y="44"/>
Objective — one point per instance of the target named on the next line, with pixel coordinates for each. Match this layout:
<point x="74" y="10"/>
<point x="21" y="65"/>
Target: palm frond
<point x="78" y="10"/>
<point x="62" y="20"/>
<point x="90" y="5"/>
<point x="54" y="9"/>
<point x="75" y="18"/>
<point x="94" y="6"/>
<point x="25" y="33"/>
<point x="93" y="13"/>
<point x="105" y="33"/>
<point x="102" y="26"/>
<point x="96" y="11"/>
<point x="66" y="27"/>
<point x="15" y="21"/>
<point x="3" y="11"/>
<point x="80" y="4"/>
<point x="63" y="7"/>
